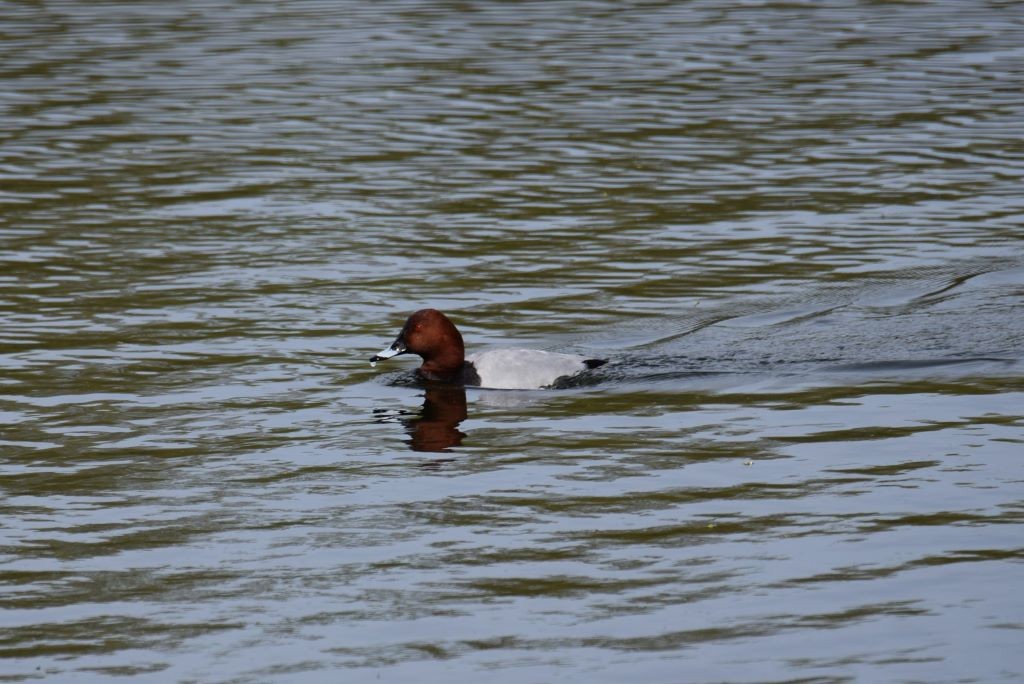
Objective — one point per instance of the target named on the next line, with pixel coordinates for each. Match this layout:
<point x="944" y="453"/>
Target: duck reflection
<point x="435" y="428"/>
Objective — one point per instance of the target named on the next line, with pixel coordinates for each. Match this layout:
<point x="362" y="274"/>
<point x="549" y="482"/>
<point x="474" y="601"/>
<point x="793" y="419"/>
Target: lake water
<point x="795" y="229"/>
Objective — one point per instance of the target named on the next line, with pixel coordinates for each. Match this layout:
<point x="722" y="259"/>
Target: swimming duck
<point x="431" y="335"/>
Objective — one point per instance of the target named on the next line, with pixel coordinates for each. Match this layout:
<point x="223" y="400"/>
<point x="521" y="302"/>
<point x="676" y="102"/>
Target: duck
<point x="432" y="336"/>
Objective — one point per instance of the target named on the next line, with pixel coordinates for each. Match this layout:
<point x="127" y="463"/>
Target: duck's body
<point x="525" y="368"/>
<point x="430" y="334"/>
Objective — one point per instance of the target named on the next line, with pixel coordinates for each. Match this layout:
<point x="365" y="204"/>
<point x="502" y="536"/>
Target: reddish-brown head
<point x="429" y="334"/>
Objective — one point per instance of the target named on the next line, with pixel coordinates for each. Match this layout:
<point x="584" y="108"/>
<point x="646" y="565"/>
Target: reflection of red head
<point x="437" y="427"/>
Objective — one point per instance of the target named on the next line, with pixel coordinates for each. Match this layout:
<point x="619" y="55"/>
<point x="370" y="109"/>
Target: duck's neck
<point x="446" y="366"/>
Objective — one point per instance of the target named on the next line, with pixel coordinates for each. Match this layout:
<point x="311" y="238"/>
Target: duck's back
<point x="523" y="368"/>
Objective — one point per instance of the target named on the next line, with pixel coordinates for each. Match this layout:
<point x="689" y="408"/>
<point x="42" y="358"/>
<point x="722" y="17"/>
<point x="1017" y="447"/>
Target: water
<point x="795" y="229"/>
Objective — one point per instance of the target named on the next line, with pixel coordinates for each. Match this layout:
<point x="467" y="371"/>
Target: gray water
<point x="795" y="229"/>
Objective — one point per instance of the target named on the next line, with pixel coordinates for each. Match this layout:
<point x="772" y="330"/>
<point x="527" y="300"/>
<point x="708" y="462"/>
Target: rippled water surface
<point x="796" y="229"/>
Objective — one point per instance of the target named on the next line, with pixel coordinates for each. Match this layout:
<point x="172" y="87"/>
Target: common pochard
<point x="430" y="334"/>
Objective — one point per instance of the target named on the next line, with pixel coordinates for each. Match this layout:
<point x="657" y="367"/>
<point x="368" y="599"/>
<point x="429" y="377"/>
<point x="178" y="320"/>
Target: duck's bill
<point x="396" y="348"/>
